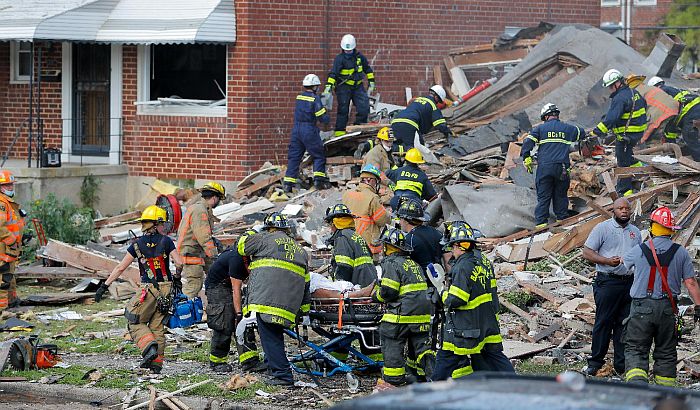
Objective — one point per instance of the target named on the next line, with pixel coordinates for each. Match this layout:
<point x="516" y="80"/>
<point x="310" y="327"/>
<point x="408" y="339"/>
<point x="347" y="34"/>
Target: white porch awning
<point x="119" y="21"/>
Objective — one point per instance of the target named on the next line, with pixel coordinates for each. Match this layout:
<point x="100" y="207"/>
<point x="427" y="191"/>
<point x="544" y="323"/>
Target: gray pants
<point x="650" y="321"/>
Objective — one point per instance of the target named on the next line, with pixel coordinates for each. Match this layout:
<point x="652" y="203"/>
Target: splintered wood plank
<point x="256" y="187"/>
<point x="514" y="349"/>
<point x="99" y="223"/>
<point x="609" y="185"/>
<point x="532" y="288"/>
<point x="56" y="272"/>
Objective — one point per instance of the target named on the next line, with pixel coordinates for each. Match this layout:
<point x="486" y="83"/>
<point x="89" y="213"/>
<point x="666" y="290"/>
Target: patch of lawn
<point x="530" y="367"/>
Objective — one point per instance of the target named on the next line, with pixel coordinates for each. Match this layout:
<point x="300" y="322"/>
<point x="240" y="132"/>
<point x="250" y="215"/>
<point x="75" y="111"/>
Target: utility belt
<point x="626" y="278"/>
<point x="164" y="301"/>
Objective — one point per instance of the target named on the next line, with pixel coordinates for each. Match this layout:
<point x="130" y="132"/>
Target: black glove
<point x="237" y="319"/>
<point x="177" y="282"/>
<point x="101" y="291"/>
<point x="696" y="313"/>
<point x="6" y="277"/>
<point x="219" y="246"/>
<point x="26" y="237"/>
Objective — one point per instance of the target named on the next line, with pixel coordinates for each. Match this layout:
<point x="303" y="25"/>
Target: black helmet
<point x="336" y="211"/>
<point x="411" y="209"/>
<point x="461" y="231"/>
<point x="276" y="220"/>
<point x="394" y="237"/>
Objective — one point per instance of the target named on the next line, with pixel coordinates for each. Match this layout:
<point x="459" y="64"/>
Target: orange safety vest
<point x="13" y="222"/>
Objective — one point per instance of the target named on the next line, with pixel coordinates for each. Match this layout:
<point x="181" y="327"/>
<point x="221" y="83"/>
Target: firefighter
<point x="346" y="76"/>
<point x="365" y="203"/>
<point x="627" y="119"/>
<point x="147" y="312"/>
<point x="407" y="318"/>
<point x="660" y="267"/>
<point x="411" y="181"/>
<point x="382" y="157"/>
<point x="278" y="289"/>
<point x="195" y="241"/>
<point x="223" y="287"/>
<point x="688" y="113"/>
<point x="11" y="239"/>
<point x="553" y="139"/>
<point x="306" y="136"/>
<point x="470" y="309"/>
<point x="419" y="117"/>
<point x="351" y="260"/>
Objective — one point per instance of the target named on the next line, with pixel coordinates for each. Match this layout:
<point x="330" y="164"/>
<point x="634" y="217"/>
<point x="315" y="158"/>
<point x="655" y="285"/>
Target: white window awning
<point x="119" y="21"/>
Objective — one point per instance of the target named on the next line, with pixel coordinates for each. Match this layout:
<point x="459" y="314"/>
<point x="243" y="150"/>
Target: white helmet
<point x="654" y="81"/>
<point x="437" y="89"/>
<point x="548" y="109"/>
<point x="311" y="80"/>
<point x="611" y="76"/>
<point x="348" y="42"/>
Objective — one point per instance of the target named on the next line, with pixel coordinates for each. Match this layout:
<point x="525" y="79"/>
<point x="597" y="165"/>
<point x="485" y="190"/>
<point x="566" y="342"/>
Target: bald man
<point x="608" y="242"/>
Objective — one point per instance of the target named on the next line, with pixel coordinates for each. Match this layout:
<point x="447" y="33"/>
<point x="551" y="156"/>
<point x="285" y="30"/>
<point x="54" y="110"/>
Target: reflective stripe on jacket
<point x="349" y="70"/>
<point x="352" y="260"/>
<point x="424" y="115"/>
<point x="626" y="115"/>
<point x="11" y="226"/>
<point x="404" y="290"/>
<point x="195" y="240"/>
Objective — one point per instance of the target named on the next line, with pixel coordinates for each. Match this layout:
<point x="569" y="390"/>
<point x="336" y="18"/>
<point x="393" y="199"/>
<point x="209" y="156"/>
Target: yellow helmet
<point x="414" y="156"/>
<point x="214" y="187"/>
<point x="154" y="213"/>
<point x="385" y="134"/>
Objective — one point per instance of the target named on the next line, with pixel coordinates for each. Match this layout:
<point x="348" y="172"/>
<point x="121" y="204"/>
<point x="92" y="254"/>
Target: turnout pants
<point x="492" y="359"/>
<point x="623" y="154"/>
<point x="651" y="321"/>
<point x="448" y="364"/>
<point x="552" y="184"/>
<point x="612" y="300"/>
<point x="305" y="137"/>
<point x="193" y="276"/>
<point x="145" y="322"/>
<point x="395" y="338"/>
<point x="405" y="134"/>
<point x="220" y="317"/>
<point x="690" y="133"/>
<point x="8" y="285"/>
<point x="360" y="100"/>
<point x="272" y="340"/>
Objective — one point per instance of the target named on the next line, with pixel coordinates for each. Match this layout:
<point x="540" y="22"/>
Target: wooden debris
<point x="53" y="272"/>
<point x="168" y="395"/>
<point x="532" y="288"/>
<point x="102" y="222"/>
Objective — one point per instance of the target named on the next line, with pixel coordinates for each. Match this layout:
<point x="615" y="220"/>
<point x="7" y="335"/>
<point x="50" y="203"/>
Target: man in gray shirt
<point x="654" y="301"/>
<point x="606" y="245"/>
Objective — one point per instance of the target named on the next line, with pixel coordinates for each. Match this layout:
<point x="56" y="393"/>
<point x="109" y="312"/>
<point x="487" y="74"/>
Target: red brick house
<point x="112" y="71"/>
<point x="642" y="13"/>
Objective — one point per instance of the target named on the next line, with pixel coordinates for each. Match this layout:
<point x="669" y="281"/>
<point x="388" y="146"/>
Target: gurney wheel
<point x="353" y="382"/>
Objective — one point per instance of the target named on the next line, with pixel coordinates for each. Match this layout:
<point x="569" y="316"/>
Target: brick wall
<point x="641" y="16"/>
<point x="14" y="103"/>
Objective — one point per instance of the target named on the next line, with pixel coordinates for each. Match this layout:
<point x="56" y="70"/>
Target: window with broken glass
<point x="182" y="79"/>
<point x="20" y="61"/>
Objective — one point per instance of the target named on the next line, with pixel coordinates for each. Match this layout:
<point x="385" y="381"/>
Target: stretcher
<point x="341" y="322"/>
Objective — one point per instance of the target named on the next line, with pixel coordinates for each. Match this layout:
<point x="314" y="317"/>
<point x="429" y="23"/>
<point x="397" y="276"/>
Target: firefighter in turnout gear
<point x="471" y="308"/>
<point x="365" y="203"/>
<point x="194" y="238"/>
<point x="688" y="113"/>
<point x="223" y="288"/>
<point x="411" y="181"/>
<point x="351" y="260"/>
<point x="626" y="119"/>
<point x="421" y="116"/>
<point x="278" y="289"/>
<point x="147" y="312"/>
<point x="382" y="157"/>
<point x="346" y="76"/>
<point x="306" y="136"/>
<point x="554" y="139"/>
<point x="406" y="323"/>
<point x="660" y="267"/>
<point x="11" y="239"/>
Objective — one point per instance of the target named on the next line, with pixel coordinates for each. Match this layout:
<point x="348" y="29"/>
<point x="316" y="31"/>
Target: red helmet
<point x="664" y="217"/>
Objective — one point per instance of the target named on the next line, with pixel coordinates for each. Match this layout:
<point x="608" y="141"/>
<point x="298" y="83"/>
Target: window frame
<point x="15" y="50"/>
<point x="644" y="2"/>
<point x="609" y="3"/>
<point x="143" y="92"/>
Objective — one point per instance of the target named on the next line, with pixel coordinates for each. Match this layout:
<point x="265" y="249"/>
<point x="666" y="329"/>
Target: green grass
<point x="531" y="368"/>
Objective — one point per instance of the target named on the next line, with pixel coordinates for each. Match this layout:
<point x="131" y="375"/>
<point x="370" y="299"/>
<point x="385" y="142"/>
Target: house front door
<point x="91" y="114"/>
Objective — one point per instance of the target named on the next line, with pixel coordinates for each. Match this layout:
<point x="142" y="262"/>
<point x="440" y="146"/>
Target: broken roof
<point x="119" y="21"/>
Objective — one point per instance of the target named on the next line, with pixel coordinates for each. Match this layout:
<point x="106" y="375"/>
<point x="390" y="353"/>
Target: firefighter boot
<point x="322" y="183"/>
<point x="220" y="367"/>
<point x="149" y="355"/>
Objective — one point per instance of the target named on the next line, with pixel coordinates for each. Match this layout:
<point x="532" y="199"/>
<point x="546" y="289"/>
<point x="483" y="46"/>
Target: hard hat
<point x="311" y="80"/>
<point x="394" y="237"/>
<point x="336" y="211"/>
<point x="664" y="217"/>
<point x="437" y="89"/>
<point x="462" y="232"/>
<point x="611" y="77"/>
<point x="411" y="209"/>
<point x="654" y="81"/>
<point x="6" y="177"/>
<point x="385" y="134"/>
<point x="154" y="213"/>
<point x="370" y="171"/>
<point x="548" y="109"/>
<point x="215" y="187"/>
<point x="276" y="220"/>
<point x="348" y="42"/>
<point x="414" y="156"/>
